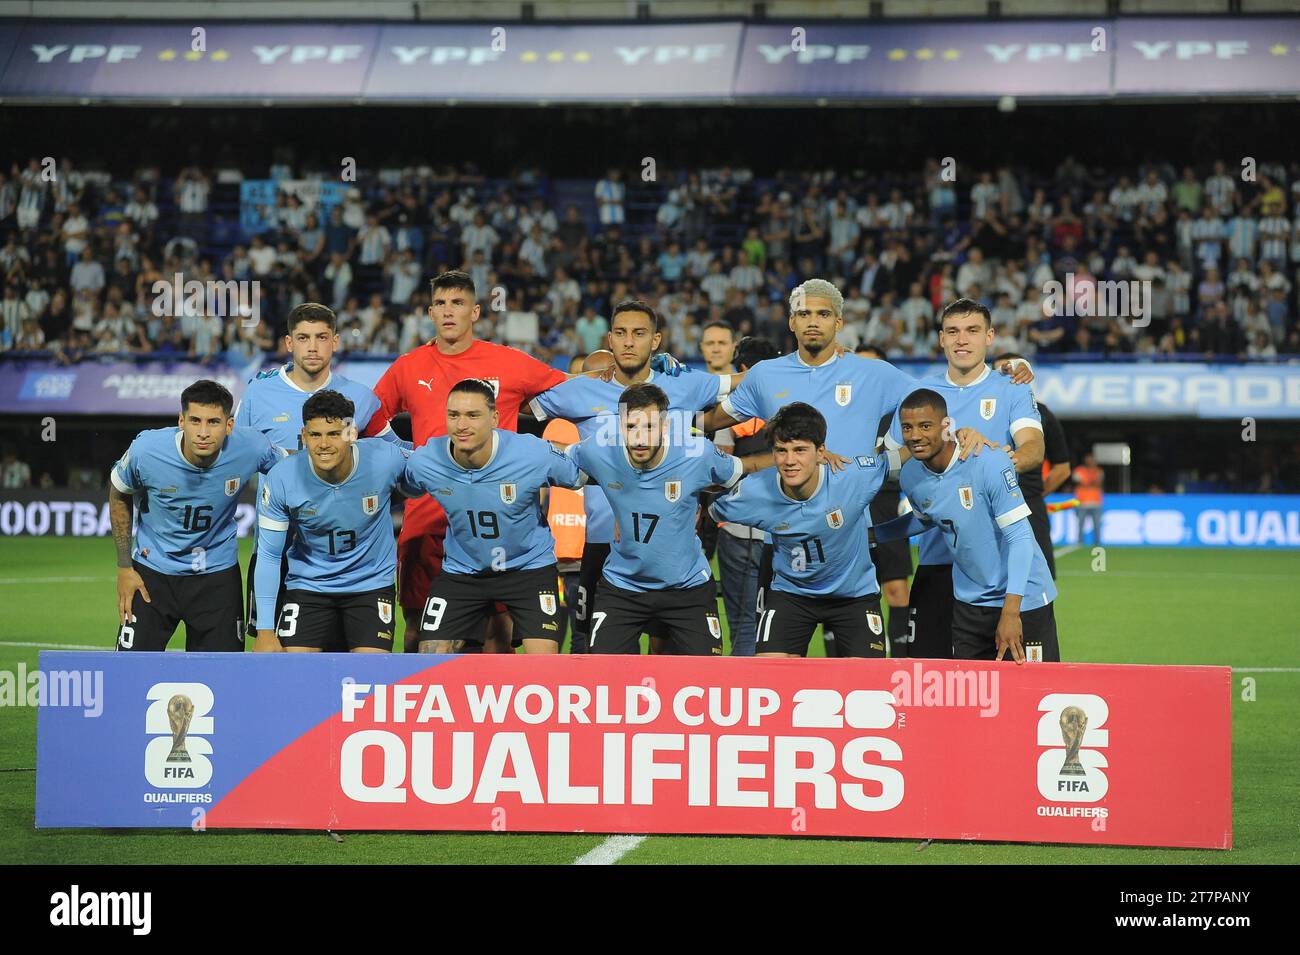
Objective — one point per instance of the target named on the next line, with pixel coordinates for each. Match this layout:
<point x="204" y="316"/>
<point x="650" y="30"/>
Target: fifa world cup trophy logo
<point x="1074" y="723"/>
<point x="180" y="710"/>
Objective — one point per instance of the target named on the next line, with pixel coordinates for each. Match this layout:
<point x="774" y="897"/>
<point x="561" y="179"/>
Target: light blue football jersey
<point x="994" y="406"/>
<point x="972" y="503"/>
<point x="592" y="405"/>
<point x="495" y="518"/>
<point x="273" y="405"/>
<point x="655" y="546"/>
<point x="852" y="393"/>
<point x="187" y="513"/>
<point x="819" y="546"/>
<point x="342" y="540"/>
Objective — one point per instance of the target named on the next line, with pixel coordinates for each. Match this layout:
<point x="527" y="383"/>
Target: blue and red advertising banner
<point x="651" y="62"/>
<point x="1072" y="753"/>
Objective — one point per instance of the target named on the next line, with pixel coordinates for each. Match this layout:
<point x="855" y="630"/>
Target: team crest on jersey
<point x="385" y="611"/>
<point x="715" y="628"/>
<point x="835" y="519"/>
<point x="232" y="486"/>
<point x="370" y="503"/>
<point x="988" y="406"/>
<point x="875" y="623"/>
<point x="548" y="604"/>
<point x="672" y="491"/>
<point x="843" y="393"/>
<point x="508" y="492"/>
<point x="966" y="496"/>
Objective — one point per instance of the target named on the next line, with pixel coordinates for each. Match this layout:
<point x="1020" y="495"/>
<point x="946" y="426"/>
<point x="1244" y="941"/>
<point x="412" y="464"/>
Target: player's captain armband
<point x="1009" y="475"/>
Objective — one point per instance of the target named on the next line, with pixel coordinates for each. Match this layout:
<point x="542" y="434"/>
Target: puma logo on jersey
<point x="426" y="384"/>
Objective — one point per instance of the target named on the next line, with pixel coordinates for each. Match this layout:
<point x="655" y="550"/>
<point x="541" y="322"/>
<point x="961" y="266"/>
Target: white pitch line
<point x="50" y="646"/>
<point x="52" y="580"/>
<point x="1266" y="669"/>
<point x="1067" y="549"/>
<point x="610" y="851"/>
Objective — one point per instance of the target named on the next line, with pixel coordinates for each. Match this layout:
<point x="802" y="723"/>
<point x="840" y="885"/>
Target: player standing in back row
<point x="419" y="382"/>
<point x="999" y="409"/>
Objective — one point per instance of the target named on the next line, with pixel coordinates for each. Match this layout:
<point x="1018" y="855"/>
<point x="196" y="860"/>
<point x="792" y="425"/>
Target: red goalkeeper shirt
<point x="419" y="382"/>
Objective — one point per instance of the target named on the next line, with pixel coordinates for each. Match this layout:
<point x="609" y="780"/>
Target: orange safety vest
<point x="1088" y="489"/>
<point x="565" y="512"/>
<point x="568" y="523"/>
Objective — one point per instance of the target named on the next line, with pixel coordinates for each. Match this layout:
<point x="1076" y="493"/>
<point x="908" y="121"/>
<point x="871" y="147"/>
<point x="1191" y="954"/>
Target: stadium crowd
<point x="81" y="252"/>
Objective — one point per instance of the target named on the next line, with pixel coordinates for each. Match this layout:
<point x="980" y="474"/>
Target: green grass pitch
<point x="1147" y="606"/>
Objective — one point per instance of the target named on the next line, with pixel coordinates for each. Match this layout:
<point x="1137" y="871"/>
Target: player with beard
<point x="653" y="580"/>
<point x="593" y="405"/>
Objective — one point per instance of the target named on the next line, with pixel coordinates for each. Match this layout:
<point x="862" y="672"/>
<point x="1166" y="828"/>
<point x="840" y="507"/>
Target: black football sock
<point x="899" y="627"/>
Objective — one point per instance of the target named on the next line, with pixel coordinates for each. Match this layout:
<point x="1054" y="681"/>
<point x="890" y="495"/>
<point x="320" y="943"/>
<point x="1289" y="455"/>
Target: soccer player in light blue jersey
<point x="272" y="402"/>
<point x="1000" y="409"/>
<point x="656" y="577"/>
<point x="818" y="519"/>
<point x="342" y="554"/>
<point x="1002" y="589"/>
<point x="185" y="564"/>
<point x="592" y="404"/>
<point x="851" y="392"/>
<point x="499" y="545"/>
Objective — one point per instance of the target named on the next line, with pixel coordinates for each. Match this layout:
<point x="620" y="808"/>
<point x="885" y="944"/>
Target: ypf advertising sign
<point x="1074" y="753"/>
